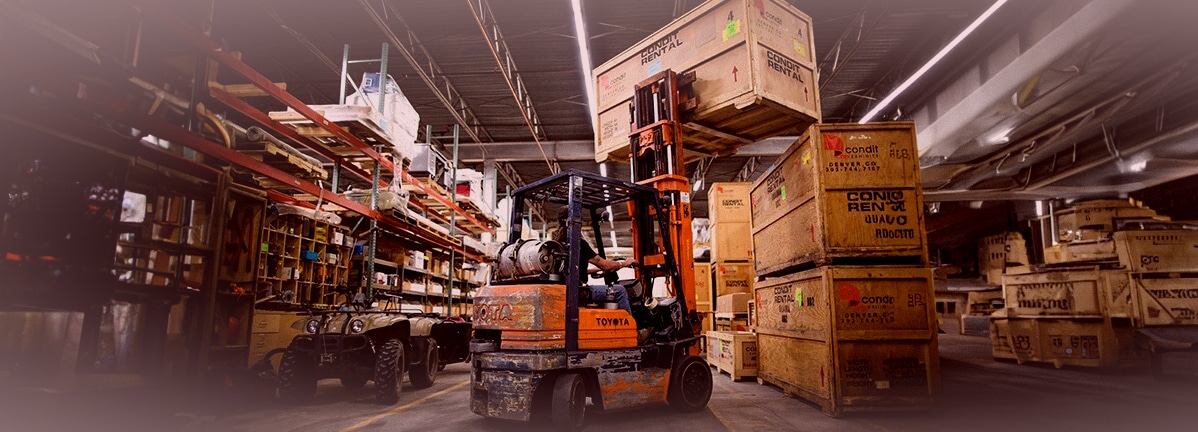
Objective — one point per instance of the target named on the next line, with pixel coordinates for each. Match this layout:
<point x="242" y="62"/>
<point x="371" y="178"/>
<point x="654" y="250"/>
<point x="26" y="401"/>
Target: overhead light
<point x="935" y="59"/>
<point x="1039" y="208"/>
<point x="584" y="56"/>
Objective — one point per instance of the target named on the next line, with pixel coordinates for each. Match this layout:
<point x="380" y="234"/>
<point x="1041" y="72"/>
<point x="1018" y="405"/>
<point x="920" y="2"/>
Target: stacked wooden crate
<point x="1076" y="316"/>
<point x="1162" y="264"/>
<point x="1121" y="273"/>
<point x="1084" y="230"/>
<point x="844" y="303"/>
<point x="999" y="251"/>
<point x="732" y="279"/>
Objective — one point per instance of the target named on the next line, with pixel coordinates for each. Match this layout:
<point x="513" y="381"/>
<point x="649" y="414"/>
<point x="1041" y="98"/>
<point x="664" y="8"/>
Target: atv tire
<point x="388" y="372"/>
<point x="297" y="378"/>
<point x="425" y="363"/>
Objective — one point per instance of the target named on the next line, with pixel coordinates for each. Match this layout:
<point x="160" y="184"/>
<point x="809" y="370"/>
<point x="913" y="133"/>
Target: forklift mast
<point x="657" y="161"/>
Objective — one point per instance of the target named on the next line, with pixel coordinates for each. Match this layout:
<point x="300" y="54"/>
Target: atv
<point x="356" y="344"/>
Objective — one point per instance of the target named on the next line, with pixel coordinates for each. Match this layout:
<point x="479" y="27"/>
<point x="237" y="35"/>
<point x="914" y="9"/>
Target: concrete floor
<point x="980" y="394"/>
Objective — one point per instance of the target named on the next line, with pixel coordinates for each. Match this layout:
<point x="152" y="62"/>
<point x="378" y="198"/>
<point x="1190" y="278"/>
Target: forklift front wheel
<point x="568" y="407"/>
<point x="690" y="385"/>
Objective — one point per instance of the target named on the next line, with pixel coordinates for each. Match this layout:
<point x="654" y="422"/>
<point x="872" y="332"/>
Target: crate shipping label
<point x="874" y="217"/>
<point x="881" y="304"/>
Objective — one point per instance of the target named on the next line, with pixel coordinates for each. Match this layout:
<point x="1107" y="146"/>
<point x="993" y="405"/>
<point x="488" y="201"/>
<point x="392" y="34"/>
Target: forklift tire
<point x="388" y="372"/>
<point x="297" y="380"/>
<point x="690" y="385"/>
<point x="567" y="409"/>
<point x="424" y="373"/>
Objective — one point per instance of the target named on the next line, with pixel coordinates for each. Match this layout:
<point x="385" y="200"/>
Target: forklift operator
<point x="586" y="256"/>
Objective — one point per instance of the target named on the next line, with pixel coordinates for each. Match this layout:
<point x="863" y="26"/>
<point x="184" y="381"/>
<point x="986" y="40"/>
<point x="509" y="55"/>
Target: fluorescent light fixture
<point x="1039" y="208"/>
<point x="603" y="169"/>
<point x="935" y="59"/>
<point x="584" y="55"/>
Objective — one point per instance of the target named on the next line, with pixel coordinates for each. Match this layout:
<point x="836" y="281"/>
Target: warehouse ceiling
<point x="1065" y="99"/>
<point x="865" y="48"/>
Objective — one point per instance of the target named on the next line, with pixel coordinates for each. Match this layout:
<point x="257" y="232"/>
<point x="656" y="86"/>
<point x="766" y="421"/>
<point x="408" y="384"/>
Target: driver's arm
<point x="610" y="265"/>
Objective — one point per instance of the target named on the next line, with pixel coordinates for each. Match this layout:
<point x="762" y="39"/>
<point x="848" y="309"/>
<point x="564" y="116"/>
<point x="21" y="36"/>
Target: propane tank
<point x="529" y="258"/>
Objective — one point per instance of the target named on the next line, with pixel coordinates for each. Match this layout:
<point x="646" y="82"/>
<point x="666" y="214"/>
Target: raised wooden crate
<point x="754" y="68"/>
<point x="1092" y="342"/>
<point x="1080" y="292"/>
<point x="733" y="352"/>
<point x="841" y="192"/>
<point x="851" y="338"/>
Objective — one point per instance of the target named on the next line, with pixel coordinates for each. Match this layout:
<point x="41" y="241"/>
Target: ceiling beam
<point x="433" y="76"/>
<point x="508" y="70"/>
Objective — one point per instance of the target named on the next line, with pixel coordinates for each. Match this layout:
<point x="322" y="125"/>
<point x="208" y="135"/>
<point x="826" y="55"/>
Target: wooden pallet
<point x="361" y="122"/>
<point x="289" y="161"/>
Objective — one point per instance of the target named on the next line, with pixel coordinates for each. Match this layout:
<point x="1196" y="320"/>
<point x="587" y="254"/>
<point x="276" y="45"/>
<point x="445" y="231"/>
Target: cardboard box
<point x="1081" y="252"/>
<point x="733" y="303"/>
<point x="754" y="68"/>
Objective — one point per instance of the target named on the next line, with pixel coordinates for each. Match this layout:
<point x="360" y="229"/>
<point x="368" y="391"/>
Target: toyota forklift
<point x="542" y="348"/>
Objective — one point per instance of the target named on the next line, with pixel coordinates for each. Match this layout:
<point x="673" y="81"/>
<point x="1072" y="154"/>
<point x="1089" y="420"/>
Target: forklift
<point x="543" y="348"/>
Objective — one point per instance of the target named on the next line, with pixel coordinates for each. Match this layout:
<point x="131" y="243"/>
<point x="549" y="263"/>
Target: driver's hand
<point x="630" y="263"/>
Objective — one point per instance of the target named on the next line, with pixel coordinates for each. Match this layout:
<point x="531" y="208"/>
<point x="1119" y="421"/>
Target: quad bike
<point x="357" y="344"/>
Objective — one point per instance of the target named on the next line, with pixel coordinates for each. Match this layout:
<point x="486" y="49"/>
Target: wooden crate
<point x="851" y="338"/>
<point x="1158" y="250"/>
<point x="731" y="241"/>
<point x="734" y="353"/>
<point x="1093" y="220"/>
<point x="703" y="288"/>
<point x="1063" y="342"/>
<point x="1081" y="251"/>
<point x="1082" y="292"/>
<point x="840" y="192"/>
<point x="729" y="202"/>
<point x="754" y="68"/>
<point x="732" y="277"/>
<point x="852" y="303"/>
<point x="852" y="376"/>
<point x="1164" y="299"/>
<point x="998" y="251"/>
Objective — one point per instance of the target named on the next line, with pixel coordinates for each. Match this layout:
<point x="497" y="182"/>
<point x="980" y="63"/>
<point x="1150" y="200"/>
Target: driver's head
<point x="562" y="214"/>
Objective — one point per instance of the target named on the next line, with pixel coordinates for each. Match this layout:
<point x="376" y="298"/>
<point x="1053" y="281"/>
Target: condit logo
<point x="851" y="293"/>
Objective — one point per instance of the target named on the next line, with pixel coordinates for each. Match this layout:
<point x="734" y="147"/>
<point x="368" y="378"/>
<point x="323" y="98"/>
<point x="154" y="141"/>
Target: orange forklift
<point x="542" y="347"/>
